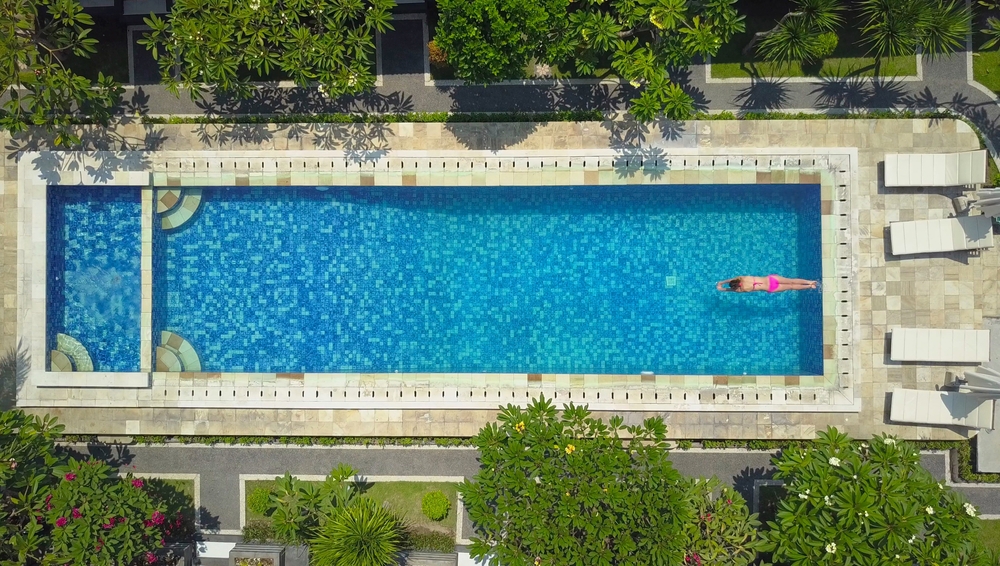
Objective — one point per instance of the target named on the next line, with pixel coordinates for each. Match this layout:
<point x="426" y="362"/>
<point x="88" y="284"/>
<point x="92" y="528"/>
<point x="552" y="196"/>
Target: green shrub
<point x="258" y="530"/>
<point x="437" y="56"/>
<point x="431" y="541"/>
<point x="259" y="500"/>
<point x="826" y="44"/>
<point x="363" y="534"/>
<point x="684" y="444"/>
<point x="435" y="505"/>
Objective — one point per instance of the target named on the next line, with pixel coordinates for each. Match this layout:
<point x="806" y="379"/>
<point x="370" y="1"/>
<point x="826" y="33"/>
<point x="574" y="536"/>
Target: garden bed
<point x="403" y="497"/>
<point x="848" y="60"/>
<point x="986" y="65"/>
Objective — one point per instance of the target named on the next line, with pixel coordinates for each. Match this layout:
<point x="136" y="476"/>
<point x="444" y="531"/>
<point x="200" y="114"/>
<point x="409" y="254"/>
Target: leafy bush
<point x="553" y="481"/>
<point x="684" y="444"/>
<point x="436" y="55"/>
<point x="435" y="505"/>
<point x="259" y="500"/>
<point x="826" y="44"/>
<point x="363" y="534"/>
<point x="431" y="541"/>
<point x="725" y="531"/>
<point x="258" y="530"/>
<point x="847" y="502"/>
<point x="301" y="507"/>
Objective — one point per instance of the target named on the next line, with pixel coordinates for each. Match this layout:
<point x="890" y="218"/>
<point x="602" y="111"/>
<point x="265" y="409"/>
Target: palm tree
<point x="362" y="534"/>
<point x="897" y="27"/>
<point x="816" y="16"/>
<point x="992" y="29"/>
<point x="795" y="40"/>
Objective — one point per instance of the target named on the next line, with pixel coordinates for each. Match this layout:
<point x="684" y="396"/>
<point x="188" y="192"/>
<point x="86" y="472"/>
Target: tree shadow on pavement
<point x="14" y="366"/>
<point x="99" y="153"/>
<point x="859" y="93"/>
<point x="116" y="455"/>
<point x="763" y="95"/>
<point x="744" y="482"/>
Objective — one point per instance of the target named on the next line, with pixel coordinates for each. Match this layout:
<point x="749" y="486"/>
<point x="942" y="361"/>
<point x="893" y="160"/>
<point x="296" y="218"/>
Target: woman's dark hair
<point x="734" y="284"/>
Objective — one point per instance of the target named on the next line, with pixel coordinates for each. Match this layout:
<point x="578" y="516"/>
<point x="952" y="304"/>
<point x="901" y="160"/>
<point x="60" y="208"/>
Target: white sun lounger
<point x="941" y="408"/>
<point x="935" y="169"/>
<point x="940" y="345"/>
<point x="941" y="235"/>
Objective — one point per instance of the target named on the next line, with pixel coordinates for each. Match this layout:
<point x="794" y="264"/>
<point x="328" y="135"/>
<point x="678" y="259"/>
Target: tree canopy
<point x="642" y="40"/>
<point x="36" y="36"/>
<point x="569" y="489"/>
<point x="58" y="510"/>
<point x="854" y="502"/>
<point x="218" y="44"/>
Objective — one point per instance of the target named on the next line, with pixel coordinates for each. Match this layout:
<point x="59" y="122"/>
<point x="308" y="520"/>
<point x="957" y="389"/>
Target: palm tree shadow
<point x="763" y="94"/>
<point x="14" y="367"/>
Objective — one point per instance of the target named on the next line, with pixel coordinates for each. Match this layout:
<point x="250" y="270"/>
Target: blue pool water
<point x="614" y="279"/>
<point x="94" y="283"/>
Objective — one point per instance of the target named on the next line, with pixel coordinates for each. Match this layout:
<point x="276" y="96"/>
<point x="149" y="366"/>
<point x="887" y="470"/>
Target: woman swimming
<point x="771" y="284"/>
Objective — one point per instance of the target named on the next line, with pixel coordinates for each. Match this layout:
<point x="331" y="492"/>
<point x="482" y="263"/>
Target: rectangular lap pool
<point x="597" y="279"/>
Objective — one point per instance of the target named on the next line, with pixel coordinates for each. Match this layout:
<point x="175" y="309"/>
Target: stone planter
<point x="276" y="554"/>
<point x="419" y="558"/>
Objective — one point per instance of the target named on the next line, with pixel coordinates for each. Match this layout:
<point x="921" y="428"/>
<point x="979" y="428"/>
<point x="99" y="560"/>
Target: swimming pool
<point x="597" y="279"/>
<point x="93" y="275"/>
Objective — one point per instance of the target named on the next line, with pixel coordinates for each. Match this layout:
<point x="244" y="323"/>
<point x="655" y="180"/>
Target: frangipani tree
<point x="642" y="39"/>
<point x="567" y="489"/>
<point x="215" y="43"/>
<point x="36" y="36"/>
<point x="867" y="503"/>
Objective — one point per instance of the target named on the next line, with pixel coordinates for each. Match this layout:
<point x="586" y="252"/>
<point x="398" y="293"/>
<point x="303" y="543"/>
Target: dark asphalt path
<point x="220" y="467"/>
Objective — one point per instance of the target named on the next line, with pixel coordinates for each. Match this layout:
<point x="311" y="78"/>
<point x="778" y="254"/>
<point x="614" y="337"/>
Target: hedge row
<point x="961" y="449"/>
<point x="559" y="116"/>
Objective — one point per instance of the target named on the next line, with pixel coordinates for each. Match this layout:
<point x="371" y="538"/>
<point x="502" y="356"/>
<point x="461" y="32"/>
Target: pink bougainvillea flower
<point x="122" y="519"/>
<point x="76" y="513"/>
<point x="48" y="498"/>
<point x="70" y="476"/>
<point x="150" y="558"/>
<point x="61" y="521"/>
<point x="137" y="483"/>
<point x="108" y="525"/>
<point x="158" y="518"/>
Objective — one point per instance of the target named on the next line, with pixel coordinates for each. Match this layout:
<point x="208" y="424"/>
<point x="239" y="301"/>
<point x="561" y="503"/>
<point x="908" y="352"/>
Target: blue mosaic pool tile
<point x="94" y="285"/>
<point x="598" y="279"/>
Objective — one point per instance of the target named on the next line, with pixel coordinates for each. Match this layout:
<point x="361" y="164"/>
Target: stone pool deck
<point x="947" y="290"/>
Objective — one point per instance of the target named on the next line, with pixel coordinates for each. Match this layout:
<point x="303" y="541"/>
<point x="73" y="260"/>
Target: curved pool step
<point x="60" y="361"/>
<point x="167" y="360"/>
<point x="182" y="349"/>
<point x="181" y="213"/>
<point x="75" y="351"/>
<point x="167" y="199"/>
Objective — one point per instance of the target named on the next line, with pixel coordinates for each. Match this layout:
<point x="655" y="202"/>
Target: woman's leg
<point x="788" y="281"/>
<point x="794" y="287"/>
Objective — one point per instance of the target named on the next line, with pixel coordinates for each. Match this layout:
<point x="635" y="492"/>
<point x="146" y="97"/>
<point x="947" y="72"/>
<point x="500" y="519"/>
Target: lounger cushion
<point x="935" y="169"/>
<point x="941" y="235"/>
<point x="940" y="345"/>
<point x="941" y="408"/>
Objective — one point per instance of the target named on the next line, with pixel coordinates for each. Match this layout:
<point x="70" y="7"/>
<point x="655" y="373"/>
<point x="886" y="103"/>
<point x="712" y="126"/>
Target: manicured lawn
<point x="990" y="535"/>
<point x="849" y="59"/>
<point x="404" y="497"/>
<point x="986" y="65"/>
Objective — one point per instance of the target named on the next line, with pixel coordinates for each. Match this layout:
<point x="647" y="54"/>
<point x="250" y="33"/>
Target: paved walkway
<point x="945" y="84"/>
<point x="219" y="468"/>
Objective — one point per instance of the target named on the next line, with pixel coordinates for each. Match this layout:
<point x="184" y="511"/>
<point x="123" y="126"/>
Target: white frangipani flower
<point x="834" y="461"/>
<point x="929" y="509"/>
<point x="832" y="548"/>
<point x="970" y="510"/>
